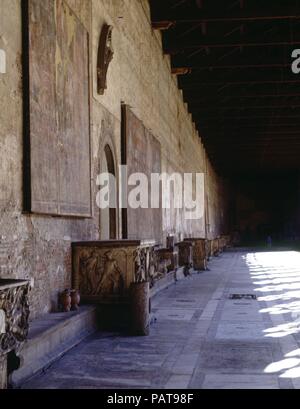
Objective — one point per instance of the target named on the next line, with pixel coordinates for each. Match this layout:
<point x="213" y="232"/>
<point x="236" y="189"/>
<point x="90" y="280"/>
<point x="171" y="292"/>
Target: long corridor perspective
<point x="235" y="326"/>
<point x="149" y="157"/>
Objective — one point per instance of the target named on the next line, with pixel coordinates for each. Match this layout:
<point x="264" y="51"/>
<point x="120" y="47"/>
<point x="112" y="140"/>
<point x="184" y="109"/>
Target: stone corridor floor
<point x="201" y="337"/>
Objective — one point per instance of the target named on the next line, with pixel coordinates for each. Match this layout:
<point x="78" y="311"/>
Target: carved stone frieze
<point x="150" y="264"/>
<point x="142" y="259"/>
<point x="100" y="270"/>
<point x="14" y="302"/>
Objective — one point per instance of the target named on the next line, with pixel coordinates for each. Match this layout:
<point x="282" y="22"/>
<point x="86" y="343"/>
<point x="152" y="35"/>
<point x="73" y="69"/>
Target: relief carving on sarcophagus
<point x="101" y="270"/>
<point x="158" y="267"/>
<point x="141" y="268"/>
<point x="148" y="264"/>
<point x="100" y="273"/>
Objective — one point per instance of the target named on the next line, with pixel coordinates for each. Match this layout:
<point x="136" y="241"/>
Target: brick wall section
<point x="38" y="247"/>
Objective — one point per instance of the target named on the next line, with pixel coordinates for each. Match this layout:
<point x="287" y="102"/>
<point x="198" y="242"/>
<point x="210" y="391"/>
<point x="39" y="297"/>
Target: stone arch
<point x="108" y="217"/>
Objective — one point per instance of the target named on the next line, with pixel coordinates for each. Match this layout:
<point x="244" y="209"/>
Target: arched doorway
<point x="108" y="217"/>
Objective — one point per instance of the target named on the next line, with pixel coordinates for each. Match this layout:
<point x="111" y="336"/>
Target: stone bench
<point x="50" y="336"/>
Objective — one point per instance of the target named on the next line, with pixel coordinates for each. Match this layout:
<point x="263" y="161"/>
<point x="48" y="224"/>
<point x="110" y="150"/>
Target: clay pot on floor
<point x="65" y="300"/>
<point x="75" y="300"/>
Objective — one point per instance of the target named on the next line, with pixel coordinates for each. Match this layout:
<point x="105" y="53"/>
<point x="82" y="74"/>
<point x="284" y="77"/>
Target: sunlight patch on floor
<point x="289" y="367"/>
<point x="276" y="278"/>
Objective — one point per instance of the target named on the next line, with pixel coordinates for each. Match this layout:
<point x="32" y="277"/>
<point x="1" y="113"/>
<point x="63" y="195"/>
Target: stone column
<point x="140" y="308"/>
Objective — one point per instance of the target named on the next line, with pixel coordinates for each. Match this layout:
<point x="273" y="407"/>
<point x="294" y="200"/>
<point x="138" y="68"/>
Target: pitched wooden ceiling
<point x="241" y="91"/>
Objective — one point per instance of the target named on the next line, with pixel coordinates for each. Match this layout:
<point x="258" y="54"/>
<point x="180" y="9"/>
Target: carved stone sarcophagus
<point x="208" y="249"/>
<point x="164" y="259"/>
<point x="215" y="247"/>
<point x="226" y="240"/>
<point x="169" y="255"/>
<point x="223" y="240"/>
<point x="104" y="270"/>
<point x="14" y="314"/>
<point x="199" y="253"/>
<point x="185" y="255"/>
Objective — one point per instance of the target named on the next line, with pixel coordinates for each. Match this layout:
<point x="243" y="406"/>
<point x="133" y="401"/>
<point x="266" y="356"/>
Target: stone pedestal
<point x="140" y="308"/>
<point x="14" y="314"/>
<point x="199" y="253"/>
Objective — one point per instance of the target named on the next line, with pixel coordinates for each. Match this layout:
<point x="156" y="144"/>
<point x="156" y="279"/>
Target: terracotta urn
<point x="75" y="300"/>
<point x="65" y="300"/>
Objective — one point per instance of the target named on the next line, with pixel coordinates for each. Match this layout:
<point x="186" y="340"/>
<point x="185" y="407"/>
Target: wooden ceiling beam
<point x="210" y="67"/>
<point x="232" y="117"/>
<point x="217" y="97"/>
<point x="177" y="20"/>
<point x="198" y="108"/>
<point x="184" y="47"/>
<point x="192" y="85"/>
<point x="163" y="25"/>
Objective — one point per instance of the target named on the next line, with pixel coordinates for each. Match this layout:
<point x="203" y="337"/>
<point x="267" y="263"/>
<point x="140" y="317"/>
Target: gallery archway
<point x="108" y="216"/>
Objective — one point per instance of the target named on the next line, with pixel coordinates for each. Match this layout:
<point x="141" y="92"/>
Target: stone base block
<point x="114" y="316"/>
<point x="140" y="308"/>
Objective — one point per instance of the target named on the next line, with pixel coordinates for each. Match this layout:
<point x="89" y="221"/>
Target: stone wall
<point x="38" y="247"/>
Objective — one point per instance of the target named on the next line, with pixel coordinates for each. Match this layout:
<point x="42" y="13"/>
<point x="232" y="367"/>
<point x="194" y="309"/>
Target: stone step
<point x="50" y="337"/>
